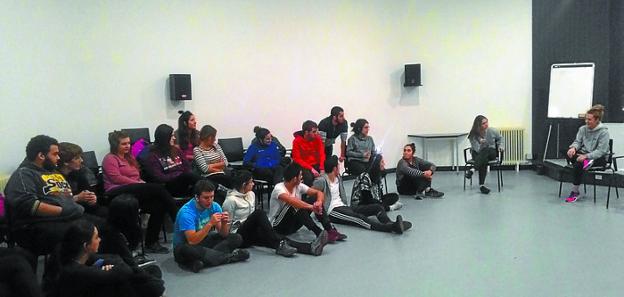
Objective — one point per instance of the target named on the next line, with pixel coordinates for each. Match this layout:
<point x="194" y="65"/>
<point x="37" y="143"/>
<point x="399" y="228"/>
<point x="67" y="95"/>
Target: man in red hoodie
<point x="308" y="151"/>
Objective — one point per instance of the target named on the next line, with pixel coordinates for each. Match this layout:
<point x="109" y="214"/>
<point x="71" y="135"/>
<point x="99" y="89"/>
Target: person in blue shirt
<point x="195" y="244"/>
<point x="264" y="156"/>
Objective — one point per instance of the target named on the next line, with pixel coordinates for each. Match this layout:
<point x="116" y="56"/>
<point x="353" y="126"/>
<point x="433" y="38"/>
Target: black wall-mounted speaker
<point x="412" y="75"/>
<point x="180" y="86"/>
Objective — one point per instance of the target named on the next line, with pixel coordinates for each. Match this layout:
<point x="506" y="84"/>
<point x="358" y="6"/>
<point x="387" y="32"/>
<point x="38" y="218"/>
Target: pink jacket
<point x="118" y="172"/>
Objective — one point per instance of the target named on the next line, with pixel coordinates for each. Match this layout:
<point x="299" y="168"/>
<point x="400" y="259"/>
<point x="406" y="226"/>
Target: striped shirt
<point x="205" y="157"/>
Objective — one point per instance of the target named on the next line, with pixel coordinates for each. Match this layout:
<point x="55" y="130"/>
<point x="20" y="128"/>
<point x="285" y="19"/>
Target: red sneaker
<point x="333" y="235"/>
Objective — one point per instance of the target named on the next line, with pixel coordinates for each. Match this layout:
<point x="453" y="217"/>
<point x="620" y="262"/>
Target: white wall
<point x="76" y="70"/>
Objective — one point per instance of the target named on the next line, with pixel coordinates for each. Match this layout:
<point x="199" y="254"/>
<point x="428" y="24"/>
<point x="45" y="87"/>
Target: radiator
<point x="514" y="145"/>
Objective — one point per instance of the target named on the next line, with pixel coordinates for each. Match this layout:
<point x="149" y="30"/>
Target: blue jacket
<point x="262" y="156"/>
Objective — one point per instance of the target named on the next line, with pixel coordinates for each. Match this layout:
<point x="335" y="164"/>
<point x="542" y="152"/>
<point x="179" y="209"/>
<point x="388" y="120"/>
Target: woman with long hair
<point x="360" y="147"/>
<point x="75" y="269"/>
<point x="122" y="176"/>
<point x="167" y="165"/>
<point x="187" y="136"/>
<point x="485" y="143"/>
<point x="590" y="147"/>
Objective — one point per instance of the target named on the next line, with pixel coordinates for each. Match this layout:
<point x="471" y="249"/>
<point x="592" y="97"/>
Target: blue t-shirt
<point x="191" y="218"/>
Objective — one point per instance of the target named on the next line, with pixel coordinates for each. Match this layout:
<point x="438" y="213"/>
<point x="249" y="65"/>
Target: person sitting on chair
<point x="211" y="161"/>
<point x="167" y="165"/>
<point x="187" y="136"/>
<point x="485" y="143"/>
<point x="264" y="157"/>
<point x="590" y="147"/>
<point x="339" y="208"/>
<point x="413" y="175"/>
<point x="308" y="151"/>
<point x="360" y="148"/>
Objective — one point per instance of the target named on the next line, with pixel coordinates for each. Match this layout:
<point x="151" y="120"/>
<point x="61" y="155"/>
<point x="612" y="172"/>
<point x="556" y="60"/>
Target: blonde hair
<point x="597" y="111"/>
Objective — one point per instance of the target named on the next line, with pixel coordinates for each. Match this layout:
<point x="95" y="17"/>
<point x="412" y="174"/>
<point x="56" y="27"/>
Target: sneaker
<point x="333" y="235"/>
<point x="418" y="196"/>
<point x="196" y="266"/>
<point x="434" y="194"/>
<point x="468" y="174"/>
<point x="396" y="206"/>
<point x="573" y="197"/>
<point x="484" y="189"/>
<point x="407" y="225"/>
<point x="238" y="255"/>
<point x="142" y="260"/>
<point x="156" y="248"/>
<point x="587" y="164"/>
<point x="397" y="226"/>
<point x="316" y="246"/>
<point x="285" y="250"/>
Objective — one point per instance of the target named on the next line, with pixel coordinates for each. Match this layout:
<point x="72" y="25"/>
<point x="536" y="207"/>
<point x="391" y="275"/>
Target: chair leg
<point x="594" y="192"/>
<point x="498" y="179"/>
<point x="560" y="185"/>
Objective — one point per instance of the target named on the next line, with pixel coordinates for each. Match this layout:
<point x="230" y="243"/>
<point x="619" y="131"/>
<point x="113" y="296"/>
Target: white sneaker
<point x="396" y="206"/>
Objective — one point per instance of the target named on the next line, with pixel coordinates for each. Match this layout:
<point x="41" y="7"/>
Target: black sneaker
<point x="285" y="250"/>
<point x="156" y="248"/>
<point x="397" y="226"/>
<point x="196" y="266"/>
<point x="432" y="193"/>
<point x="468" y="174"/>
<point x="238" y="255"/>
<point x="418" y="196"/>
<point x="484" y="189"/>
<point x="407" y="225"/>
<point x="142" y="260"/>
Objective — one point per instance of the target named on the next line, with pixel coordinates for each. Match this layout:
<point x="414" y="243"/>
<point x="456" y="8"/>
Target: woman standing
<point x="485" y="143"/>
<point x="589" y="148"/>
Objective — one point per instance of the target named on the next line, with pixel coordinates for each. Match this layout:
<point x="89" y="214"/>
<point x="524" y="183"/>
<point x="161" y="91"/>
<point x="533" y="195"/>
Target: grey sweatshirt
<point x="239" y="206"/>
<point x="492" y="138"/>
<point x="595" y="141"/>
<point x="358" y="145"/>
<point x="322" y="184"/>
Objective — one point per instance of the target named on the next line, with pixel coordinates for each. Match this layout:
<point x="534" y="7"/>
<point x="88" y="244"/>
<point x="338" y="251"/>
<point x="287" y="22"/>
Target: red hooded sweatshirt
<point x="308" y="153"/>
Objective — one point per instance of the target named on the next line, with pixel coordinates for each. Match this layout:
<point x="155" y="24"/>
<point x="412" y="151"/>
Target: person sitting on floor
<point x="367" y="187"/>
<point x="414" y="175"/>
<point x="253" y="224"/>
<point x="75" y="269"/>
<point x="590" y="147"/>
<point x="289" y="211"/>
<point x="339" y="208"/>
<point x="195" y="245"/>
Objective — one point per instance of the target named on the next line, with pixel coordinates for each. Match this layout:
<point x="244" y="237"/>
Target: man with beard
<point x="40" y="200"/>
<point x="330" y="128"/>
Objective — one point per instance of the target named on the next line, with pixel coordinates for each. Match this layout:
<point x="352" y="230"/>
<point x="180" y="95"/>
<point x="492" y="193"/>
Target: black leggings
<point x="153" y="199"/>
<point x="213" y="250"/>
<point x="257" y="230"/>
<point x="410" y="185"/>
<point x="272" y="175"/>
<point x="308" y="176"/>
<point x="481" y="159"/>
<point x="577" y="167"/>
<point x="182" y="185"/>
<point x="294" y="219"/>
<point x="358" y="216"/>
<point x="17" y="277"/>
<point x="357" y="167"/>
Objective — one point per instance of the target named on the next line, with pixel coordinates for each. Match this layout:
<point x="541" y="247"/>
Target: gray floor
<point x="520" y="242"/>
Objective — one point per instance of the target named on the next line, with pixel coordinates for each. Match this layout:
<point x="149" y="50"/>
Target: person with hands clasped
<point x="308" y="151"/>
<point x="485" y="143"/>
<point x="414" y="175"/>
<point x="589" y="148"/>
<point x="195" y="244"/>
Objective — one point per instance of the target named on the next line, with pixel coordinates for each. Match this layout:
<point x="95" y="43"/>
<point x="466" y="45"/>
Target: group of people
<point x="56" y="207"/>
